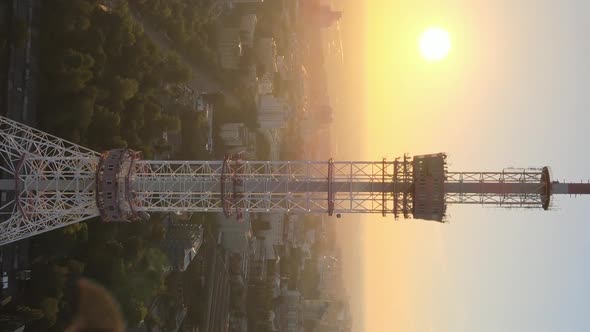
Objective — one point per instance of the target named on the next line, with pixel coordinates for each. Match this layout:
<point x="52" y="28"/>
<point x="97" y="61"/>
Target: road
<point x="23" y="64"/>
<point x="20" y="104"/>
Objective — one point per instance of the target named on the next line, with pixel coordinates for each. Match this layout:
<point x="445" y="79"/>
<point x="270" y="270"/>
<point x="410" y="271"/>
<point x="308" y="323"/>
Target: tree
<point x="49" y="307"/>
<point x="76" y="60"/>
<point x="104" y="128"/>
<point x="174" y="71"/>
<point x="135" y="312"/>
<point x="124" y="88"/>
<point x="29" y="314"/>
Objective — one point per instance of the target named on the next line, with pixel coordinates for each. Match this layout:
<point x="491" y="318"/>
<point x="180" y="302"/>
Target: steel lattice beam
<point x="50" y="183"/>
<point x="52" y="180"/>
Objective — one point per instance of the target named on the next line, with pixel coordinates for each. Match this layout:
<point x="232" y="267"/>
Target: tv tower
<point x="49" y="183"/>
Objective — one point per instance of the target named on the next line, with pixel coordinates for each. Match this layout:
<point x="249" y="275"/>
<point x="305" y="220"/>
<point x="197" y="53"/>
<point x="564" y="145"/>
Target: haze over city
<point x="294" y="165"/>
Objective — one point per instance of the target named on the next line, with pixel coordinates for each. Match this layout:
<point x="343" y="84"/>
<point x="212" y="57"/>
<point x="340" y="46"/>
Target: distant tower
<point x="50" y="183"/>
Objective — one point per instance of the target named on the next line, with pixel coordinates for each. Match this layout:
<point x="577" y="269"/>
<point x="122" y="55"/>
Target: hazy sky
<point x="514" y="92"/>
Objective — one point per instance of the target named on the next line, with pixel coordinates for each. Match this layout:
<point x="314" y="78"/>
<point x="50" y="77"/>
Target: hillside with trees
<point x="103" y="82"/>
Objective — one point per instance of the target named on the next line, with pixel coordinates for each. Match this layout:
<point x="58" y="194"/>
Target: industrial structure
<point x="48" y="183"/>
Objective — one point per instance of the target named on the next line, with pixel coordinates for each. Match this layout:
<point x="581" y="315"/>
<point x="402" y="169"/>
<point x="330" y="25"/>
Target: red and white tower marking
<point x="50" y="183"/>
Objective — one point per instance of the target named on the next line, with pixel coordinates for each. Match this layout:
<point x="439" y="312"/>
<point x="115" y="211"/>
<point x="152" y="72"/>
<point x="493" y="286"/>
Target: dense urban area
<point x="176" y="79"/>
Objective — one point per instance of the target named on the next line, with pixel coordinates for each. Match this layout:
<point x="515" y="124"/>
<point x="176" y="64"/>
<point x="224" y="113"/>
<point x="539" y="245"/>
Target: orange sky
<point x="511" y="74"/>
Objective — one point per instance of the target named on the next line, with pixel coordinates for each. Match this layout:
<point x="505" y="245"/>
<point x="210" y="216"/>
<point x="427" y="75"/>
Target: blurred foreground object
<point x="97" y="310"/>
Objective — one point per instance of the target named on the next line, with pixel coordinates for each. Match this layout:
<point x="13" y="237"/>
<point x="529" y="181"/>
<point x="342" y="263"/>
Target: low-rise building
<point x="235" y="134"/>
<point x="289" y="311"/>
<point x="258" y="262"/>
<point x="182" y="243"/>
<point x="234" y="235"/>
<point x="266" y="53"/>
<point x="282" y="67"/>
<point x="265" y="84"/>
<point x="229" y="47"/>
<point x="247" y="29"/>
<point x="272" y="112"/>
<point x="277" y="228"/>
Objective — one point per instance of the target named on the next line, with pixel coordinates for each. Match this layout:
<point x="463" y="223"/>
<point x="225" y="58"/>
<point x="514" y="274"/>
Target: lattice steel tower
<point x="49" y="183"/>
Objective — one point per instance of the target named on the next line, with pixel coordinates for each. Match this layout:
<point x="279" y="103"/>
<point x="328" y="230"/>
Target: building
<point x="247" y="29"/>
<point x="234" y="236"/>
<point x="289" y="311"/>
<point x="282" y="67"/>
<point x="266" y="53"/>
<point x="295" y="232"/>
<point x="206" y="109"/>
<point x="277" y="228"/>
<point x="250" y="79"/>
<point x="314" y="310"/>
<point x="182" y="243"/>
<point x="272" y="112"/>
<point x="337" y="318"/>
<point x="235" y="134"/>
<point x="217" y="292"/>
<point x="258" y="262"/>
<point x="229" y="47"/>
<point x="265" y="84"/>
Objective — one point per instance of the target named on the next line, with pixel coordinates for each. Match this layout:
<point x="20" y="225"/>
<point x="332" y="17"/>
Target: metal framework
<point x="236" y="186"/>
<point x="509" y="188"/>
<point x="49" y="183"/>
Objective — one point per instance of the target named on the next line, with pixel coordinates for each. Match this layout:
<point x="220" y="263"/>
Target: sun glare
<point x="435" y="44"/>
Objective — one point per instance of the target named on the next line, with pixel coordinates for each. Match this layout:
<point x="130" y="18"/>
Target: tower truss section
<point x="47" y="182"/>
<point x="527" y="188"/>
<point x="235" y="186"/>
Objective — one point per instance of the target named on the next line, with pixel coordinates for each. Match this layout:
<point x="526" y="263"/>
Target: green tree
<point x="49" y="307"/>
<point x="135" y="312"/>
<point x="124" y="88"/>
<point x="174" y="70"/>
<point x="29" y="314"/>
<point x="104" y="128"/>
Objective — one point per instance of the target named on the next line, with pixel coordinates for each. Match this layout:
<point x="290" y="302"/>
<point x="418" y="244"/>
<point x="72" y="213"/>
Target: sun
<point x="435" y="44"/>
